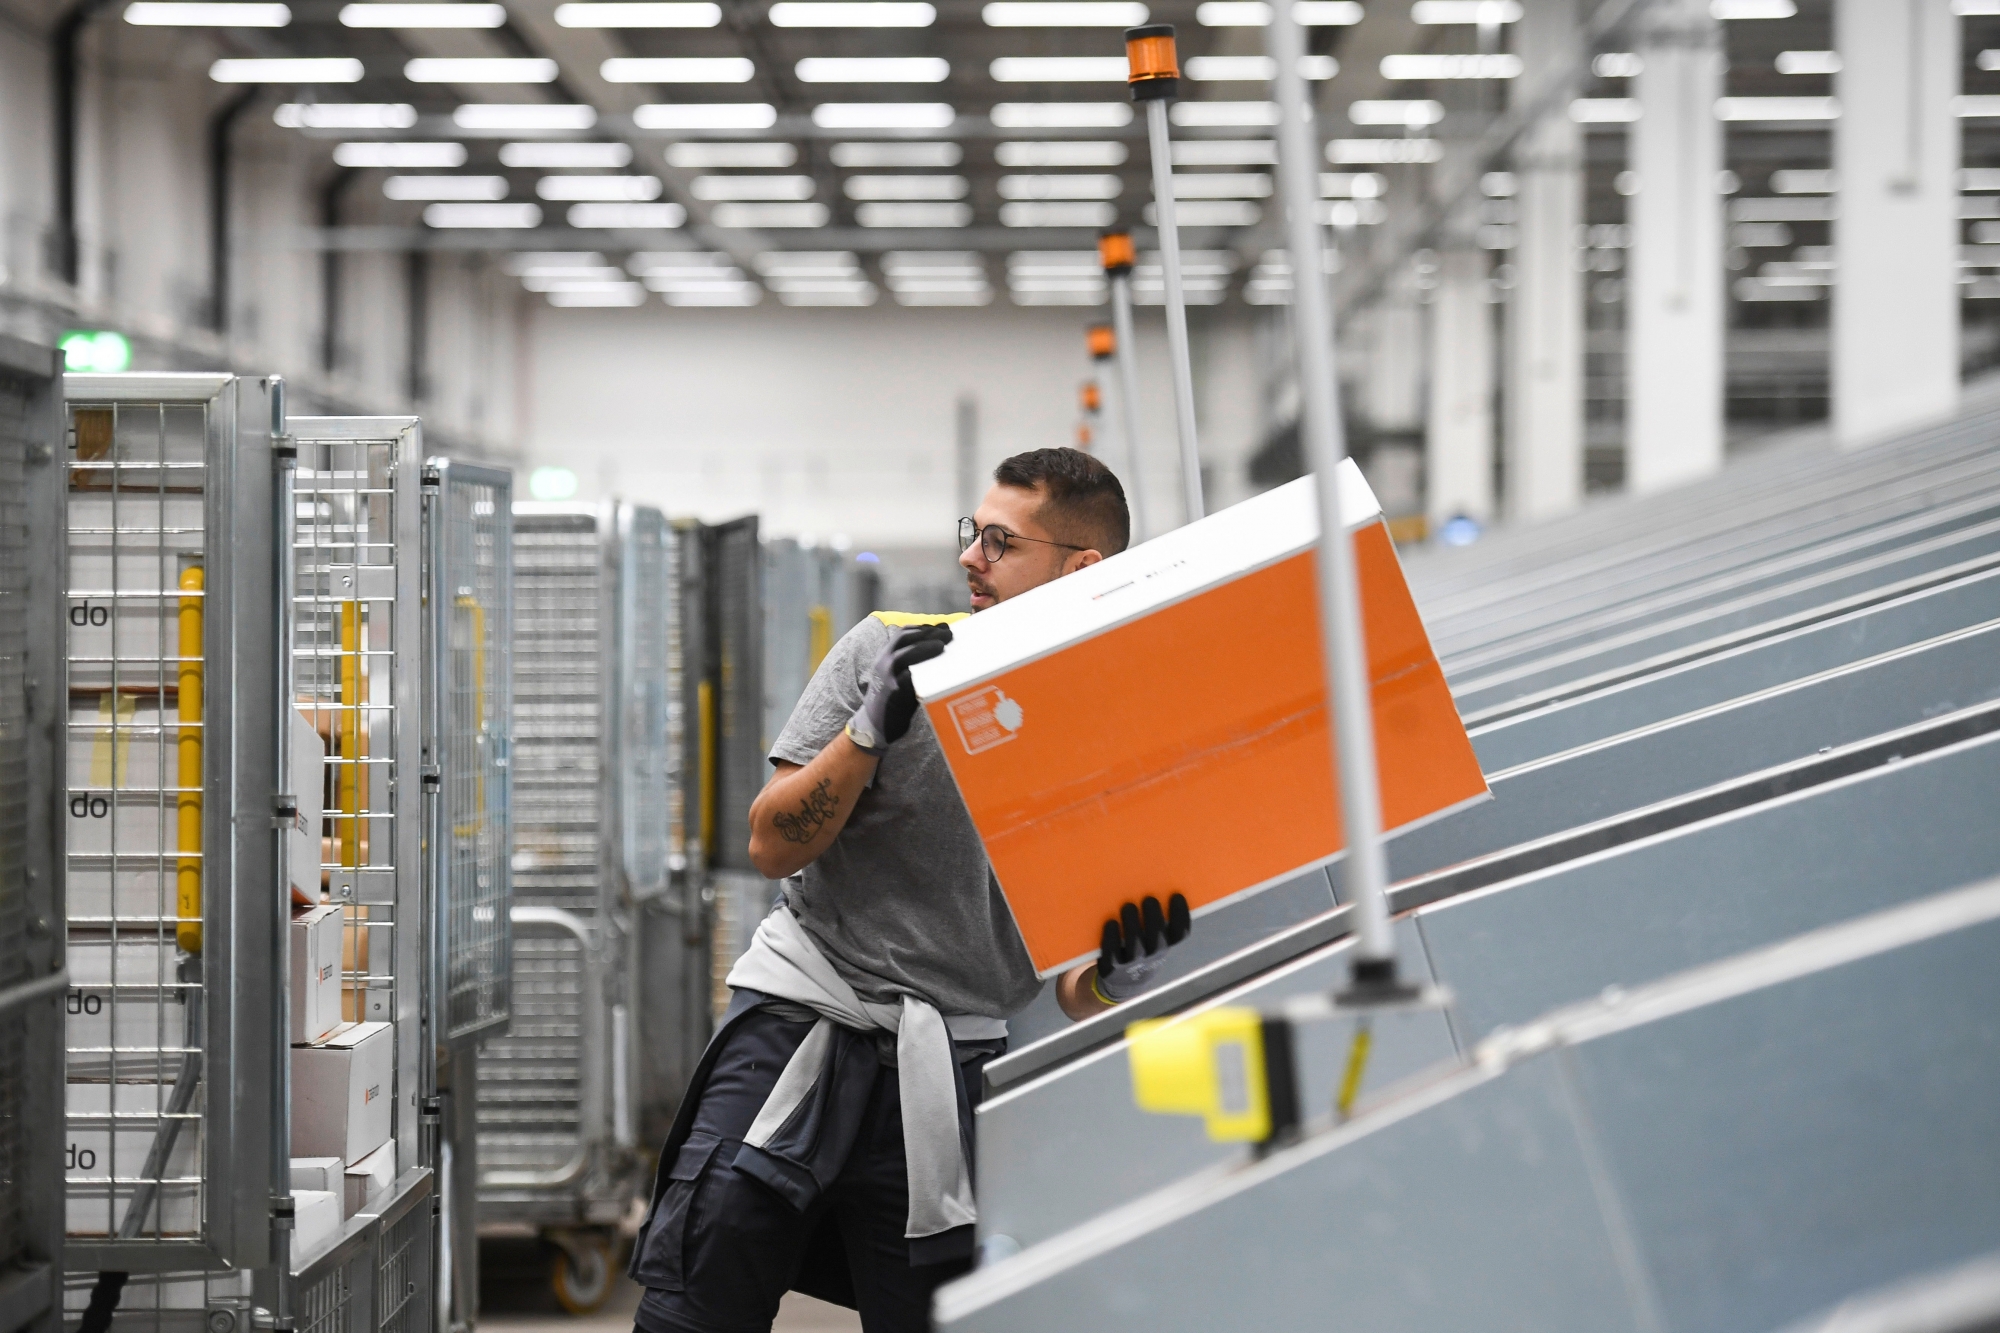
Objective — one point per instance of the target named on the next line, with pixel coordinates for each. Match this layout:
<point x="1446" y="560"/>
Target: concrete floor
<point x="514" y="1296"/>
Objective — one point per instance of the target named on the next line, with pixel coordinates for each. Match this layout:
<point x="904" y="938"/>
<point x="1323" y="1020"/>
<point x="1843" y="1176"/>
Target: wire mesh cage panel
<point x="673" y="973"/>
<point x="555" y="1133"/>
<point x="469" y="732"/>
<point x="176" y="932"/>
<point x="736" y="596"/>
<point x="31" y="885"/>
<point x="357" y="671"/>
<point x="650" y="724"/>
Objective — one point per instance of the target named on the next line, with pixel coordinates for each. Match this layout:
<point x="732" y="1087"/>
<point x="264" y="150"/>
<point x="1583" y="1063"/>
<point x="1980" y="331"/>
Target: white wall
<point x="841" y="421"/>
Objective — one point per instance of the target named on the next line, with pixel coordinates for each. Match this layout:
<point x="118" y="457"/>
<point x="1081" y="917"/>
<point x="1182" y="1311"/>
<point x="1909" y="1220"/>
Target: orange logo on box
<point x="986" y="718"/>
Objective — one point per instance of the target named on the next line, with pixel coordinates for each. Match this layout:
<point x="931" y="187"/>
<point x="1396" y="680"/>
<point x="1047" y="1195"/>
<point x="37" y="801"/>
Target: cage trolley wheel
<point x="580" y="1270"/>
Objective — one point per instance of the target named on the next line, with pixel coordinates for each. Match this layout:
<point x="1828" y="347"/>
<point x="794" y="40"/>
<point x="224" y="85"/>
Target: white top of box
<point x="350" y="1035"/>
<point x="1232" y="542"/>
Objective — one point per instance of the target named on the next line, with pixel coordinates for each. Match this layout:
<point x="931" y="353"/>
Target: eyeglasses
<point x="993" y="539"/>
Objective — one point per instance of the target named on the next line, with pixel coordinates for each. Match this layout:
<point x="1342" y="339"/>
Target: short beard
<point x="976" y="585"/>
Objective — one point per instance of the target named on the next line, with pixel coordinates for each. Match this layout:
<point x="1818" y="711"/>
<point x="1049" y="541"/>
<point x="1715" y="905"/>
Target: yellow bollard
<point x="187" y="777"/>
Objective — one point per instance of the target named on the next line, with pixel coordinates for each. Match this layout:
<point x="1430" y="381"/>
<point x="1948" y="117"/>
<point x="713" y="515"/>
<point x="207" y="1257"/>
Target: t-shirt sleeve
<point x="831" y="696"/>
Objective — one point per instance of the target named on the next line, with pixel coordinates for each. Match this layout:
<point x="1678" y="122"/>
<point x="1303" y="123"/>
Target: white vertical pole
<point x="1896" y="150"/>
<point x="1458" y="431"/>
<point x="1177" y="334"/>
<point x="1544" y="399"/>
<point x="1339" y="591"/>
<point x="1128" y="397"/>
<point x="1674" y="281"/>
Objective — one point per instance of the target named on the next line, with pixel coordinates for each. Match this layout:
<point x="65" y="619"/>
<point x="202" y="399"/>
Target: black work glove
<point x="891" y="700"/>
<point x="1135" y="944"/>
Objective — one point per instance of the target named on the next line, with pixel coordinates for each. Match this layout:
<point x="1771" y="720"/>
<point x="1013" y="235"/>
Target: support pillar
<point x="1896" y="150"/>
<point x="1458" y="433"/>
<point x="1674" y="287"/>
<point x="1545" y="315"/>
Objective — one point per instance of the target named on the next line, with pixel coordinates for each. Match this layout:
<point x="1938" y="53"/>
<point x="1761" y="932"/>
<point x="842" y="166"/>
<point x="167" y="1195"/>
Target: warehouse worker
<point x="824" y="1144"/>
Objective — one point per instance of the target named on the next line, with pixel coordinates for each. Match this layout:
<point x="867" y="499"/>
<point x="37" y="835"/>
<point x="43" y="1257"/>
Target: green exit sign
<point x="98" y="350"/>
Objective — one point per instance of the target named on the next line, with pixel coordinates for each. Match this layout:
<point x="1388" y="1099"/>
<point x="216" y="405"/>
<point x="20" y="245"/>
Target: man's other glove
<point x="891" y="700"/>
<point x="1136" y="944"/>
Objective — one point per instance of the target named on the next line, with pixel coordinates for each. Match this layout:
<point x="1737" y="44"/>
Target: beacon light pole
<point x="1346" y="657"/>
<point x="1114" y="250"/>
<point x="1155" y="81"/>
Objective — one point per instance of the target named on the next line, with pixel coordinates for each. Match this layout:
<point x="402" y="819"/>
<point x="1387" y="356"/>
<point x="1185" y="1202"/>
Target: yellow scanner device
<point x="1208" y="1064"/>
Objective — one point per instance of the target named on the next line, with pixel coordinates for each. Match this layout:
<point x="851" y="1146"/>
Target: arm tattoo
<point x="813" y="813"/>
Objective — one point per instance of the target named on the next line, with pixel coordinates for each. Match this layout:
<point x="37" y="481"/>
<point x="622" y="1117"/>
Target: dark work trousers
<point x="731" y="1229"/>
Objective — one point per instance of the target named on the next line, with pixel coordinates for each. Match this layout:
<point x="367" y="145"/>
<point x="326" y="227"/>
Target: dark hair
<point x="1082" y="501"/>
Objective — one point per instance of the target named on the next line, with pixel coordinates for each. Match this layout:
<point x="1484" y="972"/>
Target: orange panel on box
<point x="1185" y="750"/>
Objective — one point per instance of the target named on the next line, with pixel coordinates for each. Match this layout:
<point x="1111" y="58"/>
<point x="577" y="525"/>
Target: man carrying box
<point x="824" y="1145"/>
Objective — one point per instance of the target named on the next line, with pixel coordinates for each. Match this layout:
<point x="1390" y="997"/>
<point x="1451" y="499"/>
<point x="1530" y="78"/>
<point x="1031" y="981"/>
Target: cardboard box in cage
<point x="341" y="1087"/>
<point x="369" y="1179"/>
<point x="1157" y="723"/>
<point x="315" y="1008"/>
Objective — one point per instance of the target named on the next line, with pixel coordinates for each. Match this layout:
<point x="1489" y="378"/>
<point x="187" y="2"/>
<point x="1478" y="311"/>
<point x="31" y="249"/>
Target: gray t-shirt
<point x="903" y="900"/>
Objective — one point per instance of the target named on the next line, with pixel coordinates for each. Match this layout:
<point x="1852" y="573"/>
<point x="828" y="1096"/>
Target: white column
<point x="1674" y="274"/>
<point x="1458" y="430"/>
<point x="1545" y="313"/>
<point x="1393" y="394"/>
<point x="1896" y="150"/>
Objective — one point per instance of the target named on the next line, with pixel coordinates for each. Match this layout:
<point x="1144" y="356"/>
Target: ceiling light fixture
<point x="597" y="156"/>
<point x="512" y="217"/>
<point x="287" y="69"/>
<point x="1728" y="10"/>
<point x="1257" y="14"/>
<point x="874" y="69"/>
<point x="677" y="69"/>
<point x="1617" y="65"/>
<point x="853" y="14"/>
<point x="194" y="14"/>
<point x="883" y="115"/>
<point x="345" y="116"/>
<point x="639" y="14"/>
<point x="445" y="187"/>
<point x="1063" y="153"/>
<point x="1225" y="114"/>
<point x="547" y="262"/>
<point x="1412" y="113"/>
<point x="1064" y="14"/>
<point x="705" y="116"/>
<point x="1059" y="69"/>
<point x="598" y="188"/>
<point x="1040" y="213"/>
<point x="1485" y="13"/>
<point x="700" y="156"/>
<point x="619" y="295"/>
<point x="1061" y="115"/>
<point x="1434" y="66"/>
<point x="1061" y="187"/>
<point x="1776" y="109"/>
<point x="1222" y="185"/>
<point x="1828" y="62"/>
<point x="852" y="155"/>
<point x="514" y="117"/>
<point x="627" y="215"/>
<point x="400" y="155"/>
<point x="422" y="16"/>
<point x="1355" y="184"/>
<point x="1604" y="110"/>
<point x="1382" y="152"/>
<point x="1256" y="69"/>
<point x="1225" y="153"/>
<point x="480" y="69"/>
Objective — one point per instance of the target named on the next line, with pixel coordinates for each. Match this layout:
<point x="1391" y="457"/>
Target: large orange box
<point x="1157" y="723"/>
